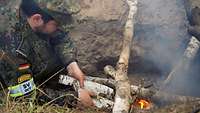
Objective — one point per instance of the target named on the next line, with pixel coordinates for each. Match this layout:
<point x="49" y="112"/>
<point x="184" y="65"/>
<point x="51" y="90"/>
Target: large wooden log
<point x="108" y="82"/>
<point x="123" y="90"/>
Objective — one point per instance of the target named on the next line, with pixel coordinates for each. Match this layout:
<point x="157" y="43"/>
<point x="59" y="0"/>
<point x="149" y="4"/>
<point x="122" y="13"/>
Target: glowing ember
<point x="144" y="104"/>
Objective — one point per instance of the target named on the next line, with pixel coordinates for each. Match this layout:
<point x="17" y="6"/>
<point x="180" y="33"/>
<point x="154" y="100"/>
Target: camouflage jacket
<point x="9" y="39"/>
<point x="46" y="55"/>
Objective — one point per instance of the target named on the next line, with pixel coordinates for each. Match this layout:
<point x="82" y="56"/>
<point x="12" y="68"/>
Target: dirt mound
<point x="161" y="26"/>
<point x="98" y="32"/>
<point x="103" y="9"/>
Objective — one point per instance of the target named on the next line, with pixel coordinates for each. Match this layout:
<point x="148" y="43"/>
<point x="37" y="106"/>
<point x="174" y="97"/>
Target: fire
<point x="144" y="104"/>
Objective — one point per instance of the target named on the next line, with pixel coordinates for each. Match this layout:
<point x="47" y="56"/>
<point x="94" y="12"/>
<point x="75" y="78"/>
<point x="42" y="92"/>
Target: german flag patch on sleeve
<point x="23" y="67"/>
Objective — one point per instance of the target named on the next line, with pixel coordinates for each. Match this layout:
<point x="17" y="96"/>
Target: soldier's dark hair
<point x="30" y="7"/>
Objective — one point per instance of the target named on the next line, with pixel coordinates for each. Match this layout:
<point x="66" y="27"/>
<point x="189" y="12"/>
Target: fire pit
<point x="143" y="104"/>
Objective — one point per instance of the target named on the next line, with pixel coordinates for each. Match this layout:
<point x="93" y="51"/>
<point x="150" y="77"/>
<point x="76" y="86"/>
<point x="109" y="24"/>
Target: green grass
<point x="23" y="107"/>
<point x="30" y="105"/>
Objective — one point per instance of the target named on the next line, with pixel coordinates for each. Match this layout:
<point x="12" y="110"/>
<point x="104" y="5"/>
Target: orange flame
<point x="144" y="104"/>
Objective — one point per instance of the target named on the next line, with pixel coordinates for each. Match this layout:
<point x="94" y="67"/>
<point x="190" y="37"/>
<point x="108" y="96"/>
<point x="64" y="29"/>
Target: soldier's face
<point x="49" y="27"/>
<point x="37" y="24"/>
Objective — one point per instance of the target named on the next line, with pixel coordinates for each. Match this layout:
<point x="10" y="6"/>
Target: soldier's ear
<point x="36" y="20"/>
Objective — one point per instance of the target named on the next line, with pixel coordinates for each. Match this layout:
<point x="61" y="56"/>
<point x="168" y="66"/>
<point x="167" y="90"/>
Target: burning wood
<point x="143" y="94"/>
<point x="144" y="104"/>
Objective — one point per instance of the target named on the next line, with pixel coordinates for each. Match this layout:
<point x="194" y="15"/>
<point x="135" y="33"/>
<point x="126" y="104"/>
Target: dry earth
<point x="160" y="39"/>
<point x="160" y="35"/>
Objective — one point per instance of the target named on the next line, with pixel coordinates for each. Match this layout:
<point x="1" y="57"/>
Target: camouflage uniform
<point x="9" y="39"/>
<point x="46" y="55"/>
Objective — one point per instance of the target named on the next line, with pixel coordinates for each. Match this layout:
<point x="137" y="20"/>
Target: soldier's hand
<point x="75" y="72"/>
<point x="81" y="80"/>
<point x="85" y="98"/>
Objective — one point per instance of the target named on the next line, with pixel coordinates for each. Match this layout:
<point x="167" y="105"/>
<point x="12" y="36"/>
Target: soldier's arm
<point x="24" y="49"/>
<point x="66" y="51"/>
<point x="64" y="47"/>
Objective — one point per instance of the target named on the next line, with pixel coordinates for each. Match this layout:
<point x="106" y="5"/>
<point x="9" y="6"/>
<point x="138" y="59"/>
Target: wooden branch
<point x="128" y="32"/>
<point x="122" y="86"/>
<point x="104" y="81"/>
<point x="109" y="70"/>
<point x="173" y="98"/>
<point x="189" y="55"/>
<point x="157" y="95"/>
<point x="144" y="92"/>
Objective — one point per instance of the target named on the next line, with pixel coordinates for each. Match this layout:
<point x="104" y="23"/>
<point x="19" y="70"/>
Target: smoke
<point x="161" y="29"/>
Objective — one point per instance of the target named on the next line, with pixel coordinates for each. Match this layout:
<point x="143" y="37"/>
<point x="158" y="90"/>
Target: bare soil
<point x="160" y="39"/>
